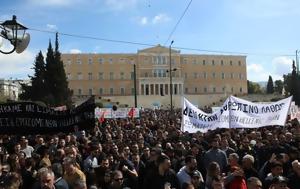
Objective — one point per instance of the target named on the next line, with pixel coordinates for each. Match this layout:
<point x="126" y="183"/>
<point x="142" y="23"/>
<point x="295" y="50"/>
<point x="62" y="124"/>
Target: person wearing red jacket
<point x="238" y="182"/>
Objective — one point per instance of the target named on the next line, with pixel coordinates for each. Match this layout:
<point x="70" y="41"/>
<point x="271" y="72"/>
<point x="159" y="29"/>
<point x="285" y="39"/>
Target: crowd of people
<point x="151" y="152"/>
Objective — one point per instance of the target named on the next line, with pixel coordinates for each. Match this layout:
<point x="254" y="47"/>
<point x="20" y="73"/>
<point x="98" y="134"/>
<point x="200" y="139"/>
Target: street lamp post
<point x="9" y="31"/>
<point x="170" y="73"/>
<point x="134" y="84"/>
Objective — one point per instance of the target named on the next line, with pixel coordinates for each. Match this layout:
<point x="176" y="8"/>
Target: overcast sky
<point x="267" y="30"/>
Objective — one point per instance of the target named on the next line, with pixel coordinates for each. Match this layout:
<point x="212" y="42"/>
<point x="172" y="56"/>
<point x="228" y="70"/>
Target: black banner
<point x="31" y="118"/>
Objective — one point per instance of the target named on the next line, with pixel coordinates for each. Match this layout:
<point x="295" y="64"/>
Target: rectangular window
<point x="132" y="91"/>
<point x="194" y="61"/>
<point x="212" y="62"/>
<point x="223" y="75"/>
<point x="101" y="91"/>
<point x="159" y="60"/>
<point x="222" y="63"/>
<point x="203" y="63"/>
<point x="240" y="76"/>
<point x="101" y="60"/>
<point x="90" y="61"/>
<point x="196" y="89"/>
<point x="122" y="75"/>
<point x="164" y="60"/>
<point x="154" y="60"/>
<point x="231" y="75"/>
<point x="186" y="90"/>
<point x="90" y="92"/>
<point x="79" y="76"/>
<point x="205" y="89"/>
<point x="122" y="91"/>
<point x="223" y="89"/>
<point x="241" y="90"/>
<point x="240" y="63"/>
<point x="131" y="61"/>
<point x="90" y="75"/>
<point x="146" y="60"/>
<point x="195" y="75"/>
<point x="185" y="75"/>
<point x="204" y="75"/>
<point x="79" y="61"/>
<point x="111" y="91"/>
<point x="159" y="73"/>
<point x="110" y="60"/>
<point x="184" y="61"/>
<point x="173" y="61"/>
<point x="101" y="76"/>
<point x="111" y="75"/>
<point x="230" y="62"/>
<point x="214" y="89"/>
<point x="214" y="75"/>
<point x="132" y="76"/>
<point x="79" y="91"/>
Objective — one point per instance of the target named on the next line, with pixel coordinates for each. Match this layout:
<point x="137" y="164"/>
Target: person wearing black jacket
<point x="294" y="178"/>
<point x="140" y="168"/>
<point x="162" y="176"/>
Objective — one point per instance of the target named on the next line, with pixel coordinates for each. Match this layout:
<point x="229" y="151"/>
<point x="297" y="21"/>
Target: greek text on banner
<point x="235" y="113"/>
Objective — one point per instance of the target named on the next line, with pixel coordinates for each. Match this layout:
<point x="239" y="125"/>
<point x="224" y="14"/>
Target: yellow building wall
<point x="90" y="74"/>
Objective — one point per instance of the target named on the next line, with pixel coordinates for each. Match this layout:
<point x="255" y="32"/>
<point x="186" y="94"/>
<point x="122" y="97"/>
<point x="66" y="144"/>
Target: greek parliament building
<point x="202" y="79"/>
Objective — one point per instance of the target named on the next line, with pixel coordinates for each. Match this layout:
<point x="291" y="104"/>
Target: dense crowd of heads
<point x="152" y="153"/>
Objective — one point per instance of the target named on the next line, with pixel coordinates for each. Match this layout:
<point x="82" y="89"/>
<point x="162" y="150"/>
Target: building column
<point x="140" y="89"/>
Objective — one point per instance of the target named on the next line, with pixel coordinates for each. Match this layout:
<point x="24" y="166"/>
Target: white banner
<point x="235" y="113"/>
<point x="119" y="113"/>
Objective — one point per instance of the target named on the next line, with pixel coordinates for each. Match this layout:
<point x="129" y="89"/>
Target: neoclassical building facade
<point x="193" y="75"/>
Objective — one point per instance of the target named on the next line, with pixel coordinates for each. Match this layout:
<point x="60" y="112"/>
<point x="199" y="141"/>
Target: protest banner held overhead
<point x="31" y="118"/>
<point x="235" y="113"/>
